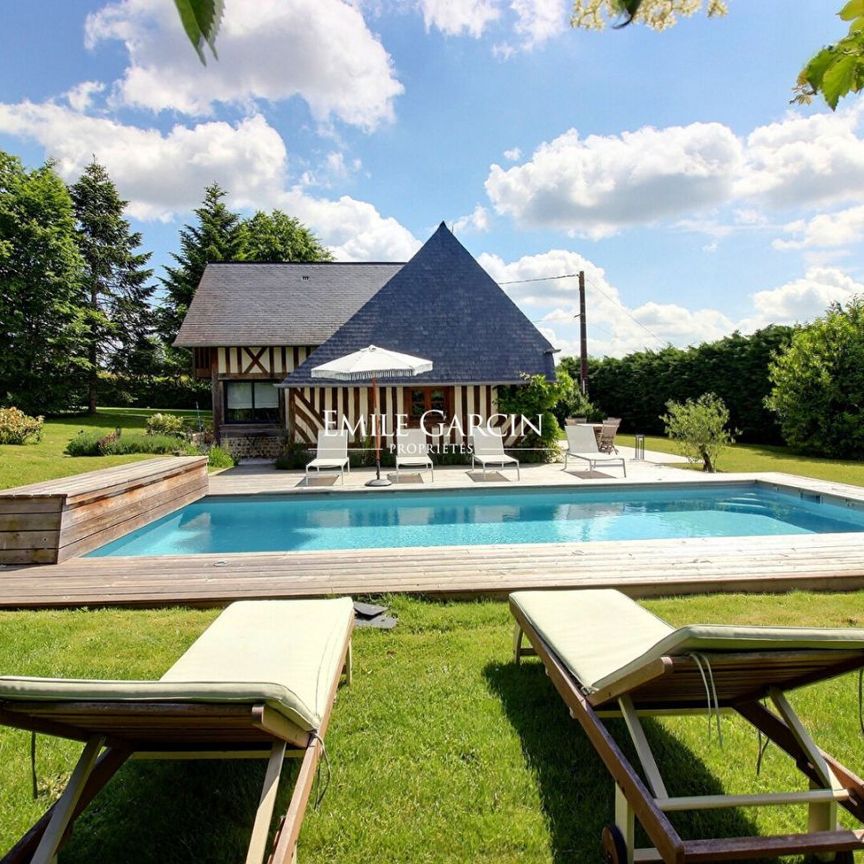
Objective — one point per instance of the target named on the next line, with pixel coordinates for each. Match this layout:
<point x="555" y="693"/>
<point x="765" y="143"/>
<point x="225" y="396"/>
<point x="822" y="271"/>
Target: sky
<point x="669" y="166"/>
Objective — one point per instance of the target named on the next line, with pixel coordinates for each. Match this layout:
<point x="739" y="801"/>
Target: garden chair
<point x="260" y="682"/>
<point x="582" y="444"/>
<point x="412" y="451"/>
<point x="332" y="453"/>
<point x="608" y="431"/>
<point x="609" y="657"/>
<point x="488" y="449"/>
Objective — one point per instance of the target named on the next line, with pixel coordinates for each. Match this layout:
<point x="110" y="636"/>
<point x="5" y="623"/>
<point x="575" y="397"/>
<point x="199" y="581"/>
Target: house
<point x="258" y="330"/>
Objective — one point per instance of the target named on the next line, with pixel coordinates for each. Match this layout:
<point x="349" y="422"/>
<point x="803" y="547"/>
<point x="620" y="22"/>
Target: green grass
<point x="31" y="463"/>
<point x="442" y="750"/>
<point x="766" y="457"/>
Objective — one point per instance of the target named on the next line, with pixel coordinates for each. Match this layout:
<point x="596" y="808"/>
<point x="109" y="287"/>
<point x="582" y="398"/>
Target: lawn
<point x="442" y="750"/>
<point x="766" y="457"/>
<point x="31" y="463"/>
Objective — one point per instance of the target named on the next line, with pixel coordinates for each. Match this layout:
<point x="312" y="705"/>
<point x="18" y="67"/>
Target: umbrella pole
<point x="376" y="422"/>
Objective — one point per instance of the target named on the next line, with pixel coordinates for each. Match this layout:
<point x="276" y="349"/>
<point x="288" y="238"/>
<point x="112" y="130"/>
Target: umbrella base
<point x="379" y="481"/>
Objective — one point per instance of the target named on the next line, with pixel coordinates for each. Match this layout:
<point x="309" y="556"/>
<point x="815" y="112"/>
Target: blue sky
<point x="670" y="166"/>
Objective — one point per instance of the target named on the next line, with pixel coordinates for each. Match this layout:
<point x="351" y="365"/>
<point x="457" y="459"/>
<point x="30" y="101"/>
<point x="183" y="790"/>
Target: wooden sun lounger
<point x="179" y="718"/>
<point x="666" y="679"/>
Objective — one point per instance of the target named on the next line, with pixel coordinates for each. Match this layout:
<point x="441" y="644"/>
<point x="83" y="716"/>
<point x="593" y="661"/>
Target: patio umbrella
<point x="370" y="364"/>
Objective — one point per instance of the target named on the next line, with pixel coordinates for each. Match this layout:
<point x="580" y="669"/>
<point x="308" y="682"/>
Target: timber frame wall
<point x="303" y="409"/>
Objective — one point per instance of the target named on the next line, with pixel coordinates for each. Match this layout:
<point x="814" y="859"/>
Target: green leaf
<point x="201" y="20"/>
<point x="813" y="72"/>
<point x="853" y="9"/>
<point x="839" y="78"/>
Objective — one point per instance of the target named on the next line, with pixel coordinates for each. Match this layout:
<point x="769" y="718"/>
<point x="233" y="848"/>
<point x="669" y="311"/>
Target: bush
<point x="166" y="424"/>
<point x="535" y="398"/>
<point x="16" y="427"/>
<point x="219" y="457"/>
<point x="153" y="391"/>
<point x="699" y="428"/>
<point x="94" y="443"/>
<point x="85" y="443"/>
<point x="294" y="455"/>
<point x="818" y="383"/>
<point x="572" y="402"/>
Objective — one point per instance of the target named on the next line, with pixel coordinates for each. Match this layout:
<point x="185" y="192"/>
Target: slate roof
<point x="278" y="304"/>
<point x="442" y="306"/>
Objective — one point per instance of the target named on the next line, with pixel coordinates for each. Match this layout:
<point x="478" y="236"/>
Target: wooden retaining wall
<point x="46" y="523"/>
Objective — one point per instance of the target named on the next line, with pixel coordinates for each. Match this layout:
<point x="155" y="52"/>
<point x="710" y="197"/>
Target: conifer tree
<point x="116" y="281"/>
<point x="43" y="325"/>
<point x="217" y="236"/>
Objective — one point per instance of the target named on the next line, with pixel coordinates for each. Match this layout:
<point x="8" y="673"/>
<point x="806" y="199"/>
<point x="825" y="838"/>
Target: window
<point x="251" y="402"/>
<point x="423" y="399"/>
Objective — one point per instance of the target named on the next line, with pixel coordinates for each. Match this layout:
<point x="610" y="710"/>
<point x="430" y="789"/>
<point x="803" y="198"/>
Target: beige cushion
<point x="285" y="653"/>
<point x="602" y="635"/>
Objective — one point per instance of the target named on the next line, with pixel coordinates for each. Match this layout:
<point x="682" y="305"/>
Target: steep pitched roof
<point x="278" y="304"/>
<point x="443" y="306"/>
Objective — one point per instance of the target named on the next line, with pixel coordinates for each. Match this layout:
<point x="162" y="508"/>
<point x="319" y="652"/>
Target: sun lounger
<point x="488" y="450"/>
<point x="332" y="453"/>
<point x="412" y="451"/>
<point x="260" y="682"/>
<point x="582" y="444"/>
<point x="607" y="656"/>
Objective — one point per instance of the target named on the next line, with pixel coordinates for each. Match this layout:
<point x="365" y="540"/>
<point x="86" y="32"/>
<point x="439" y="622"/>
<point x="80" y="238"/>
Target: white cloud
<point x="538" y="21"/>
<point x="513" y="155"/>
<point x="477" y="220"/>
<point x="801" y="299"/>
<point x="593" y="186"/>
<point x="164" y="174"/>
<point x="81" y="95"/>
<point x="842" y="228"/>
<point x="320" y="50"/>
<point x="160" y="173"/>
<point x="455" y="17"/>
<point x="596" y="186"/>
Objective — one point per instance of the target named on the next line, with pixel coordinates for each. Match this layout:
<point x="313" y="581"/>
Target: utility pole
<point x="583" y="336"/>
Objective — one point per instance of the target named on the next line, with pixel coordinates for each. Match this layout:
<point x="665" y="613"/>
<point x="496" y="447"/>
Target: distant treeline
<point x="638" y="386"/>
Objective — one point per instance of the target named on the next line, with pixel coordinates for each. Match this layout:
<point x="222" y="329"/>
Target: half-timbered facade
<point x="257" y="331"/>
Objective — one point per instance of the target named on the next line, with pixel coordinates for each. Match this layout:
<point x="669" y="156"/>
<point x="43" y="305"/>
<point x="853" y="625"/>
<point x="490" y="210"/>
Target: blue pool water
<point x="468" y="518"/>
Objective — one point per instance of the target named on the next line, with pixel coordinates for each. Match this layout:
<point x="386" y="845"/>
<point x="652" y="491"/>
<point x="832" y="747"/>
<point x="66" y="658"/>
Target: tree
<point x="115" y="279"/>
<point x="278" y="237"/>
<point x="818" y="384"/>
<point x="835" y="71"/>
<point x="218" y="236"/>
<point x="699" y="428"/>
<point x="43" y="317"/>
<point x="572" y="402"/>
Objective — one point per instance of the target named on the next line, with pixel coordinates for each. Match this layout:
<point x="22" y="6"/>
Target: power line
<point x="539" y="279"/>
<point x="628" y="313"/>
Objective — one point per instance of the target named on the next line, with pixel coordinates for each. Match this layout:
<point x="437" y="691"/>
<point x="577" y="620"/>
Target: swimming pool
<point x="315" y="522"/>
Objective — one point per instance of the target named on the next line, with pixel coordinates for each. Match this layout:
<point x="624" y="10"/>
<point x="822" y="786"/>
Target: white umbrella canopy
<point x="372" y="362"/>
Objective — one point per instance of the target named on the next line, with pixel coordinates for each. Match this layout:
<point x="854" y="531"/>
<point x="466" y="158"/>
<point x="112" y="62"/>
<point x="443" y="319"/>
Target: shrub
<point x="293" y="455"/>
<point x="85" y="443"/>
<point x="572" y="402"/>
<point x="818" y="384"/>
<point x="16" y="427"/>
<point x="219" y="457"/>
<point x="535" y="398"/>
<point x="699" y="428"/>
<point x="137" y="442"/>
<point x="166" y="424"/>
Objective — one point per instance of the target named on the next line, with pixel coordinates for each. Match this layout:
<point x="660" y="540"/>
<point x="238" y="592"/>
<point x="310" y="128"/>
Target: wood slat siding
<point x="46" y="523"/>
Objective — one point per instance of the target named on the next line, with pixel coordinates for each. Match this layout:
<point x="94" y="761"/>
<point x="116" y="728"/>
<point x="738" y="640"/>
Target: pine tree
<point x="116" y="281"/>
<point x="218" y="236"/>
<point x="43" y="326"/>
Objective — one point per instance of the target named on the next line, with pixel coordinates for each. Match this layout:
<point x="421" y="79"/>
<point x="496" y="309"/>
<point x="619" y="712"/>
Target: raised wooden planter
<point x="45" y="523"/>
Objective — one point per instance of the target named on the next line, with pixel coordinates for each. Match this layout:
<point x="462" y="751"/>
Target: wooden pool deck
<point x="640" y="568"/>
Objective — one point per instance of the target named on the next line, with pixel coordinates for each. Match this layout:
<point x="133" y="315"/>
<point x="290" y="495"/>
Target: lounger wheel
<point x="614" y="847"/>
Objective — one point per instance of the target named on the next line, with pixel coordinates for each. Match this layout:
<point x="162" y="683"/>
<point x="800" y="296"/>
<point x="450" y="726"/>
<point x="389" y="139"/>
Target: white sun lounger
<point x="412" y="451"/>
<point x="260" y="680"/>
<point x="582" y="444"/>
<point x="489" y="451"/>
<point x="608" y="656"/>
<point x="332" y="453"/>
